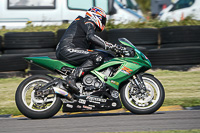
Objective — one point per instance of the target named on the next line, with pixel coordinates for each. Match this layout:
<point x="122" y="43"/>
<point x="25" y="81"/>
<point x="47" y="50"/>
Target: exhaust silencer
<point x="62" y="92"/>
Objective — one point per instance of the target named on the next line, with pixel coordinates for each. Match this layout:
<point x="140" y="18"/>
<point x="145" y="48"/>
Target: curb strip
<point x="122" y="110"/>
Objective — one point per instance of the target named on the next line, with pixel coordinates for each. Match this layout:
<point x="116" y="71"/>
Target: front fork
<point x="138" y="81"/>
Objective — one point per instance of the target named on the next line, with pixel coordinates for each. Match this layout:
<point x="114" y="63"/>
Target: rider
<point x="78" y="39"/>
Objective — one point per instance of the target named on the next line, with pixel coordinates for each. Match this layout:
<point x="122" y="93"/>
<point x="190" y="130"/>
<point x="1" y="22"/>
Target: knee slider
<point x="98" y="58"/>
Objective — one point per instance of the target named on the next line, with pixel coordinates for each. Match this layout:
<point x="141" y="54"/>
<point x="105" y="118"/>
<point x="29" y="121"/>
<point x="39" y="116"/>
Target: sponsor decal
<point x="126" y="70"/>
<point x="90" y="50"/>
<point x="114" y="104"/>
<point x="95" y="99"/>
<point x="69" y="106"/>
<point x="135" y="63"/>
<point x="82" y="101"/>
<point x="66" y="101"/>
<point x="114" y="82"/>
<point x="77" y="51"/>
<point x="99" y="59"/>
<point x="91" y="106"/>
<point x="78" y="106"/>
<point x="86" y="107"/>
<point x="94" y="102"/>
<point x="145" y="57"/>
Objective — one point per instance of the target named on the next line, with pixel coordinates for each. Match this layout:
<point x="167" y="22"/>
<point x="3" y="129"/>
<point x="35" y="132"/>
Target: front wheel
<point x="33" y="106"/>
<point x="143" y="103"/>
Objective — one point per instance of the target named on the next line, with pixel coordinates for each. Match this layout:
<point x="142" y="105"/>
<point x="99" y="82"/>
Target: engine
<point x="90" y="80"/>
<point x="89" y="84"/>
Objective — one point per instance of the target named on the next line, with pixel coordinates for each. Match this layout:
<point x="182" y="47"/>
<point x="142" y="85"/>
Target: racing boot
<point x="87" y="66"/>
<point x="71" y="80"/>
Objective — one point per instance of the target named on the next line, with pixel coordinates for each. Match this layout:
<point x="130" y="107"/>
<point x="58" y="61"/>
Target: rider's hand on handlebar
<point x="120" y="47"/>
<point x="125" y="51"/>
<point x="109" y="46"/>
<point x="117" y="49"/>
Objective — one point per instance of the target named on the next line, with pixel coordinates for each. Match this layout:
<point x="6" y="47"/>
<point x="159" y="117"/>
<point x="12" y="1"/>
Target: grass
<point x="181" y="88"/>
<point x="7" y="95"/>
<point x="168" y="131"/>
<point x="31" y="28"/>
<point x="152" y="23"/>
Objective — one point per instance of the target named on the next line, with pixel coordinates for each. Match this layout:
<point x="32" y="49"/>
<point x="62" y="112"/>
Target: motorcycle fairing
<point x="91" y="103"/>
<point x="125" y="71"/>
<point x="128" y="66"/>
<point x="48" y="63"/>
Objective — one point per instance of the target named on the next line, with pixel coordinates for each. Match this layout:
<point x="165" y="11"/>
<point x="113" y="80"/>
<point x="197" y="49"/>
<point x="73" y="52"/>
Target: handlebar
<point x="124" y="51"/>
<point x="121" y="50"/>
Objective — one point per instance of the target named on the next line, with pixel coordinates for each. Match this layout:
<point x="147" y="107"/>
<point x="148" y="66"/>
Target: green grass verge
<point x="152" y="23"/>
<point x="181" y="88"/>
<point x="168" y="131"/>
<point x="7" y="95"/>
<point x="36" y="29"/>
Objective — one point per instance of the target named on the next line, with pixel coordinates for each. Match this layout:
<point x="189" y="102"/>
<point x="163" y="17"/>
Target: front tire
<point x="36" y="107"/>
<point x="151" y="101"/>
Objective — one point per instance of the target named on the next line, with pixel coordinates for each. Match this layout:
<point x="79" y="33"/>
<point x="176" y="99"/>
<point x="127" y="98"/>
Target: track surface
<point x="116" y="122"/>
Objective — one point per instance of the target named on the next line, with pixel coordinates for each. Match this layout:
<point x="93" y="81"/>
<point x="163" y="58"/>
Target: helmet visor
<point x="103" y="21"/>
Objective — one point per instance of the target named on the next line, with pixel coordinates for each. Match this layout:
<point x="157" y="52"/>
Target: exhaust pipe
<point x="59" y="89"/>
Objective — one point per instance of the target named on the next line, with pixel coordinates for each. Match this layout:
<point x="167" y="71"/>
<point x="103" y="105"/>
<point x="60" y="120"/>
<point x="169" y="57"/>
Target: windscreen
<point x="183" y="4"/>
<point x="126" y="42"/>
<point x="31" y="4"/>
<point x="131" y="4"/>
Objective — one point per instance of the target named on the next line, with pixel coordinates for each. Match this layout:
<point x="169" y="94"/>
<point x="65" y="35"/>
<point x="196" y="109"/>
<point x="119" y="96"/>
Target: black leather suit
<point x="78" y="38"/>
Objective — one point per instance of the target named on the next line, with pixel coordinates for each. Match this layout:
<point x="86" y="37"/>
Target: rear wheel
<point x="143" y="103"/>
<point x="33" y="106"/>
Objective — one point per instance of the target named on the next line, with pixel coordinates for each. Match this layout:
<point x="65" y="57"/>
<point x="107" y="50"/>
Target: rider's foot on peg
<point x="71" y="81"/>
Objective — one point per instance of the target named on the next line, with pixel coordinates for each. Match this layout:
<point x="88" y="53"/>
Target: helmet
<point x="98" y="16"/>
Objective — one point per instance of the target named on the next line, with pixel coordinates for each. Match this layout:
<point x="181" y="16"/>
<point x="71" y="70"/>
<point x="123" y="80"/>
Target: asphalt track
<point x="98" y="122"/>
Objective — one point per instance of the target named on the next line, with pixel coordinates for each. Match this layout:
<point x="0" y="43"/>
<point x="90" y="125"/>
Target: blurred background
<point x="166" y="31"/>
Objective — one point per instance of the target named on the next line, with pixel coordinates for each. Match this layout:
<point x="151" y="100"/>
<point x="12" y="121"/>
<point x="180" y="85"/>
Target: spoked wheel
<point x="33" y="106"/>
<point x="143" y="102"/>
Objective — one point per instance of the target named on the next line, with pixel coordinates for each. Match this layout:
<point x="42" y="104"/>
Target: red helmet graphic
<point x="98" y="16"/>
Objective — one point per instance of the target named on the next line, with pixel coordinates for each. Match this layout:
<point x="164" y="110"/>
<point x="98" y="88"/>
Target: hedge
<point x="152" y="23"/>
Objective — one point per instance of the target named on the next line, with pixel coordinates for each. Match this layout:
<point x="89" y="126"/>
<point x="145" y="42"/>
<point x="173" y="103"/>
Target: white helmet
<point x="98" y="16"/>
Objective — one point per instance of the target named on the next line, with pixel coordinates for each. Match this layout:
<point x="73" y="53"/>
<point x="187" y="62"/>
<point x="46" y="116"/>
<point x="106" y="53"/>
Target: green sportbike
<point x="119" y="80"/>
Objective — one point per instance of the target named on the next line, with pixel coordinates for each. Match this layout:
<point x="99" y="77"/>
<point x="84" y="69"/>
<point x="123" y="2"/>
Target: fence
<point x="173" y="48"/>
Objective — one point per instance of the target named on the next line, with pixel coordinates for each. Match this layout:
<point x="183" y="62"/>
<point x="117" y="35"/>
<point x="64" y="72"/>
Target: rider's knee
<point x="97" y="58"/>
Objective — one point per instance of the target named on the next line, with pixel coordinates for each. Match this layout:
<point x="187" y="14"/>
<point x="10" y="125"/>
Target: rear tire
<point x="36" y="107"/>
<point x="153" y="100"/>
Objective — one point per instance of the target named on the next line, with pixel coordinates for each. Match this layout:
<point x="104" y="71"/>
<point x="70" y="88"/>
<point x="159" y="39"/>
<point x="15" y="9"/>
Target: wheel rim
<point x="37" y="103"/>
<point x="151" y="97"/>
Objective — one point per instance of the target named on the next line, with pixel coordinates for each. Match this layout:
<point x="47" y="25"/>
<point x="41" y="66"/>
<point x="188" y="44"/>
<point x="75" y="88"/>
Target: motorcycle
<point x="119" y="80"/>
